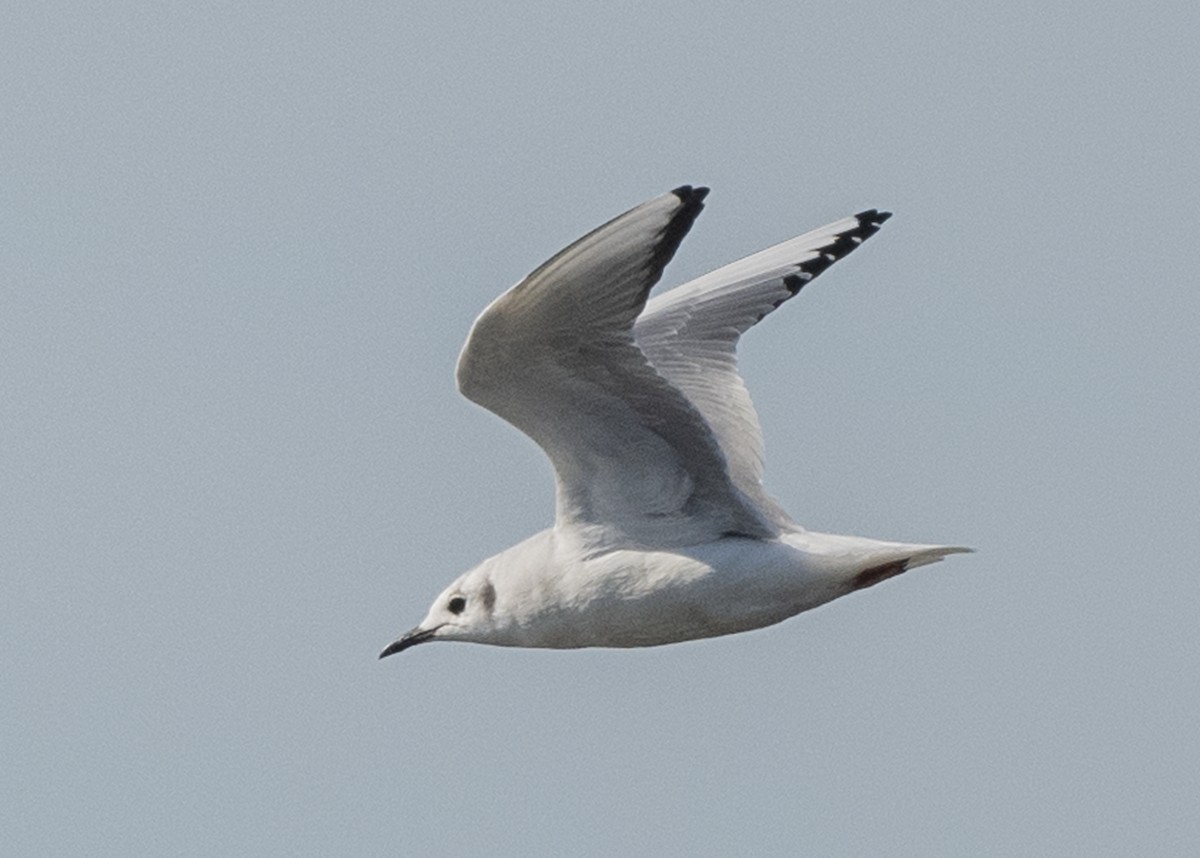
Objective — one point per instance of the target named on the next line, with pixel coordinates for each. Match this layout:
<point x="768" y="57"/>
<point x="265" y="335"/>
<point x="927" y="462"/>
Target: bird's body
<point x="663" y="531"/>
<point x="555" y="595"/>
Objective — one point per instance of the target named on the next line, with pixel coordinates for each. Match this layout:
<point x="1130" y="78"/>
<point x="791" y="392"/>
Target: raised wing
<point x="690" y="336"/>
<point x="555" y="356"/>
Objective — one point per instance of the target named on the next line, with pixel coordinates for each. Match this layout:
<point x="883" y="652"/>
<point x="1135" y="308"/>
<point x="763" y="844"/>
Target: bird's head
<point x="465" y="611"/>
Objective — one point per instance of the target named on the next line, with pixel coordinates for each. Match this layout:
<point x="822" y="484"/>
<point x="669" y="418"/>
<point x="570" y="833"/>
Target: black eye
<point x="457" y="605"/>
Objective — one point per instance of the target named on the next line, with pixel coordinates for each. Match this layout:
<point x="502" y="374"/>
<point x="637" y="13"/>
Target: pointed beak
<point x="409" y="638"/>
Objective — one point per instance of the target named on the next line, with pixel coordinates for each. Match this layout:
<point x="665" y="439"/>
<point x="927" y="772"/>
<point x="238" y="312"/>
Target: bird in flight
<point x="663" y="531"/>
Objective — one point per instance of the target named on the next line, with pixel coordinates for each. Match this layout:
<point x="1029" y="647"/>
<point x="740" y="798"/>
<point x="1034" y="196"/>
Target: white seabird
<point x="663" y="531"/>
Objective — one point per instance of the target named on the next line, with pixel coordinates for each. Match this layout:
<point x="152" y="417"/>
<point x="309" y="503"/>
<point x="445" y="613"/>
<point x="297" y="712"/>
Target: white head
<point x="465" y="611"/>
<point x="495" y="603"/>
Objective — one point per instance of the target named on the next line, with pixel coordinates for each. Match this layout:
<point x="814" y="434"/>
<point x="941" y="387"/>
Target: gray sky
<point x="240" y="247"/>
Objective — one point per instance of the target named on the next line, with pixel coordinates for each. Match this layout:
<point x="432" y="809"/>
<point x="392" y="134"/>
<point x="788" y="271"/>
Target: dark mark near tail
<point x="871" y="577"/>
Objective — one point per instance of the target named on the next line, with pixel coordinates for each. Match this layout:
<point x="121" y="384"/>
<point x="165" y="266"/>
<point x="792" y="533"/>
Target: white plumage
<point x="663" y="530"/>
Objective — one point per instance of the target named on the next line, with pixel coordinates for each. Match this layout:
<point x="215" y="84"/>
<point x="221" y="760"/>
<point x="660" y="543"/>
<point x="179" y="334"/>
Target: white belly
<point x="645" y="598"/>
<point x="631" y="598"/>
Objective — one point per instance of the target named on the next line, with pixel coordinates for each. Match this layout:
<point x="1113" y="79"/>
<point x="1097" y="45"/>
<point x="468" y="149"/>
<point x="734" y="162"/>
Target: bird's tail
<point x="904" y="557"/>
<point x="857" y="562"/>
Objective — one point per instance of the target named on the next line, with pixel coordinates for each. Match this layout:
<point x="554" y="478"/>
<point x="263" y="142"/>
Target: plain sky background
<point x="240" y="247"/>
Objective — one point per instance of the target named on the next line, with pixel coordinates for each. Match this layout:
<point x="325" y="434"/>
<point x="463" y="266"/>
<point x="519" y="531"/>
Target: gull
<point x="663" y="531"/>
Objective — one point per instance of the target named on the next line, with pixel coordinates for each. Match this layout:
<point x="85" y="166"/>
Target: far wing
<point x="690" y="335"/>
<point x="555" y="356"/>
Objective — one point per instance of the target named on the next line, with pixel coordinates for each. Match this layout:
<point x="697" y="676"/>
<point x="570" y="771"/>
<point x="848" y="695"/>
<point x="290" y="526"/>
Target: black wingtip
<point x="873" y="216"/>
<point x="843" y="244"/>
<point x="691" y="204"/>
<point x="794" y="283"/>
<point x="688" y="194"/>
<point x="869" y="222"/>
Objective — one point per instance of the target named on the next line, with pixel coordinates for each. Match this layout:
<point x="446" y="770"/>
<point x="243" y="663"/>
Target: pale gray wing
<point x="690" y="335"/>
<point x="634" y="461"/>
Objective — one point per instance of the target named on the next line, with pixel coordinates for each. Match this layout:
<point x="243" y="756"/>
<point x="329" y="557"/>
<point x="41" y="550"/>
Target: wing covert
<point x="555" y="356"/>
<point x="690" y="335"/>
